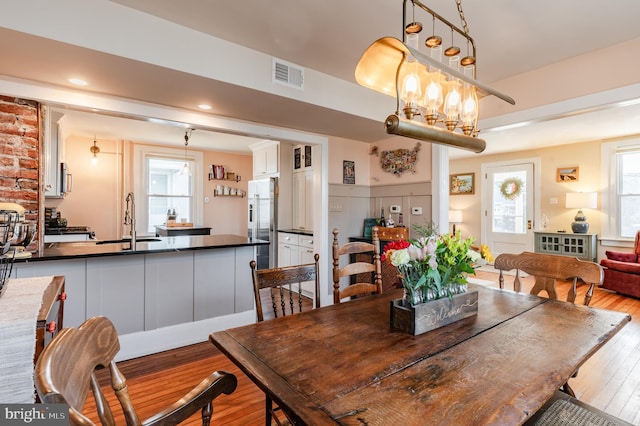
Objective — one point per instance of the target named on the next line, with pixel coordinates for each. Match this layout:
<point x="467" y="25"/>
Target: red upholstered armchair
<point x="622" y="270"/>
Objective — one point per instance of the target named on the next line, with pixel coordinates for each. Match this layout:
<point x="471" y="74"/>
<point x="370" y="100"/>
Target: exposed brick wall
<point x="20" y="154"/>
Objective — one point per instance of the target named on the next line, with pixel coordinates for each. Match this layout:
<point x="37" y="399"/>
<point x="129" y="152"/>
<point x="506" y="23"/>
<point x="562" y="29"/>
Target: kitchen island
<point x="168" y="292"/>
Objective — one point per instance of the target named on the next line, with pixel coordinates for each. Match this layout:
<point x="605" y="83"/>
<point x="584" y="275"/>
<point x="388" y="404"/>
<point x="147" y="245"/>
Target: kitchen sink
<point x="128" y="240"/>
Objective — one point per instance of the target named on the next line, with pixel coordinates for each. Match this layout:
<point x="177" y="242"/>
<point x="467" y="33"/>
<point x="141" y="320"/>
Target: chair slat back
<point x="547" y="268"/>
<point x="357" y="268"/>
<point x="285" y="297"/>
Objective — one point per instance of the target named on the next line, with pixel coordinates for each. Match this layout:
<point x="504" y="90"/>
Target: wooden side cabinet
<point x="582" y="246"/>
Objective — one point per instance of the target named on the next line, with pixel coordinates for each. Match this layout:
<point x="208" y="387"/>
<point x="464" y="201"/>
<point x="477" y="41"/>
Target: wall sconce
<point x="446" y="95"/>
<point x="455" y="216"/>
<point x="581" y="200"/>
<point x="94" y="150"/>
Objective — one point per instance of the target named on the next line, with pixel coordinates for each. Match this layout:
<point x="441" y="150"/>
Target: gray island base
<point x="165" y="294"/>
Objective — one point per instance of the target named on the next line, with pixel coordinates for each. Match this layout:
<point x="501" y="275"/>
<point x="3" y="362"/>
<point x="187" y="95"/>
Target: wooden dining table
<point x="344" y="364"/>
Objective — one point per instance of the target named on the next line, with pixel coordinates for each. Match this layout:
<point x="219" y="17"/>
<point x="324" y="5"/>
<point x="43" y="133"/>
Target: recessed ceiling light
<point x="204" y="106"/>
<point x="78" y="82"/>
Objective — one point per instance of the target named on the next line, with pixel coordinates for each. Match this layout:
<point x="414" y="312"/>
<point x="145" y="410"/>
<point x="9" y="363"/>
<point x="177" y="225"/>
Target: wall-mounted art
<point x="567" y="174"/>
<point x="398" y="161"/>
<point x="462" y="183"/>
<point x="348" y="172"/>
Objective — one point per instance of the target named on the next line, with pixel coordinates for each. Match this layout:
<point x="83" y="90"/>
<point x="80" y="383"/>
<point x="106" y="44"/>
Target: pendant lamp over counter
<point x="186" y="171"/>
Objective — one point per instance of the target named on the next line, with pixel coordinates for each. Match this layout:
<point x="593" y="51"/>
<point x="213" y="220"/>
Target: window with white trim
<point x="169" y="190"/>
<point x="161" y="186"/>
<point x="621" y="181"/>
<point x="628" y="191"/>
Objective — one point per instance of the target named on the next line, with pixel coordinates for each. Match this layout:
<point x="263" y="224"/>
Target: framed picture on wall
<point x="463" y="183"/>
<point x="348" y="172"/>
<point x="567" y="174"/>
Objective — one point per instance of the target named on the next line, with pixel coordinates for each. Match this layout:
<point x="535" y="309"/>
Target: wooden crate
<point x="434" y="314"/>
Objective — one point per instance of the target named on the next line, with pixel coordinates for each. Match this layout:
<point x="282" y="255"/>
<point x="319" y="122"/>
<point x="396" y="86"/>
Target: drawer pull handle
<point x="51" y="327"/>
<point x="62" y="296"/>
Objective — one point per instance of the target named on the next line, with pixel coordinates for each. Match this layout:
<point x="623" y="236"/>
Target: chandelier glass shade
<point x="431" y="92"/>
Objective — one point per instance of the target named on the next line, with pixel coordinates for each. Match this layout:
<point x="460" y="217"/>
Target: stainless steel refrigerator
<point x="263" y="219"/>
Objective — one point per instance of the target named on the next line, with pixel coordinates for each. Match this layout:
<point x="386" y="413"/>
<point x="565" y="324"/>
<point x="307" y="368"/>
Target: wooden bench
<point x="547" y="268"/>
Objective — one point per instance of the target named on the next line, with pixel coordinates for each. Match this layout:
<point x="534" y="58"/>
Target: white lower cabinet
<point x="288" y="250"/>
<point x="296" y="249"/>
<point x="306" y="252"/>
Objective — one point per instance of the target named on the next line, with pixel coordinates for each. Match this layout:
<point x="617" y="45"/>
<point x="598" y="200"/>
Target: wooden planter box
<point x="434" y="314"/>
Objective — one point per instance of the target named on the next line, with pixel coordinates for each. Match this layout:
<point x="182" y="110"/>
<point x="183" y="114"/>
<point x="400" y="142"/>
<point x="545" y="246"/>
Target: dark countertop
<point x="297" y="231"/>
<point x="177" y="228"/>
<point x="54" y="251"/>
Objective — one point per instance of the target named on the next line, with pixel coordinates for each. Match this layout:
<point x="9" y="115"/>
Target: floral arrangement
<point x="434" y="265"/>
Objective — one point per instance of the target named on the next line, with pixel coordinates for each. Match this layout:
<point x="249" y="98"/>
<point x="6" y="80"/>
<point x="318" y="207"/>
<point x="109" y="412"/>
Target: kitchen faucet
<point x="130" y="218"/>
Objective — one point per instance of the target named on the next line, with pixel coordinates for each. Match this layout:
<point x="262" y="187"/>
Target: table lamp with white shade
<point x="455" y="216"/>
<point x="581" y="200"/>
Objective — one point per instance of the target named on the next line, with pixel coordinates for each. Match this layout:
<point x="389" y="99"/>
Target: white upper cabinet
<point x="53" y="153"/>
<point x="303" y="200"/>
<point x="266" y="159"/>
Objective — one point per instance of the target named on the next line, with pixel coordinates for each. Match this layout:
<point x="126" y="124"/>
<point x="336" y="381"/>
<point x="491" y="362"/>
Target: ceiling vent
<point x="287" y="74"/>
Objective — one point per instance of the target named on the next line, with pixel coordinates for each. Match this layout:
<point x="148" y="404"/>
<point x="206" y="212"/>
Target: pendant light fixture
<point x="436" y="98"/>
<point x="94" y="150"/>
<point x="186" y="171"/>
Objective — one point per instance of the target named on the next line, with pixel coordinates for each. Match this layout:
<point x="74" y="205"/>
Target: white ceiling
<point x="513" y="36"/>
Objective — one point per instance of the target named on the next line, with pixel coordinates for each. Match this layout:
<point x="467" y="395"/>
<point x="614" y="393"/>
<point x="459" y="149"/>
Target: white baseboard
<point x="134" y="345"/>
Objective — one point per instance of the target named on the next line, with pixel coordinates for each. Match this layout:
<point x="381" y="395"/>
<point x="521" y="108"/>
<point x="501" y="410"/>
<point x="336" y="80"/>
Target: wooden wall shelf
<point x="228" y="176"/>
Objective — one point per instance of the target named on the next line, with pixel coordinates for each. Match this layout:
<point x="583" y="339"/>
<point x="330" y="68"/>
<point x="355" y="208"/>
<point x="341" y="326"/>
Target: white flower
<point x="415" y="252"/>
<point x="399" y="257"/>
<point x="474" y="256"/>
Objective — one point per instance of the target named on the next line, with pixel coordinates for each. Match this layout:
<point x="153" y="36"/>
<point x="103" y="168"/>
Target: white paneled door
<point x="508" y="207"/>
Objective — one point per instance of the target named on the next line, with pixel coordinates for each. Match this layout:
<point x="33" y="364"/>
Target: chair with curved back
<point x="285" y="285"/>
<point x="546" y="269"/>
<point x="356" y="270"/>
<point x="64" y="373"/>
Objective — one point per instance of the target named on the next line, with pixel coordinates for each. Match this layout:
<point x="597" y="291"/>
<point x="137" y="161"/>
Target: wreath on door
<point x="511" y="188"/>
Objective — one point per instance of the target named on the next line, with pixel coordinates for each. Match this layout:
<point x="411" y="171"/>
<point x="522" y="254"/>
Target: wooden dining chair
<point x="284" y="286"/>
<point x="64" y="373"/>
<point x="547" y="268"/>
<point x="356" y="269"/>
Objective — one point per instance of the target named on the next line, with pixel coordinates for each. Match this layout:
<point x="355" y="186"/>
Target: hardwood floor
<point x="609" y="380"/>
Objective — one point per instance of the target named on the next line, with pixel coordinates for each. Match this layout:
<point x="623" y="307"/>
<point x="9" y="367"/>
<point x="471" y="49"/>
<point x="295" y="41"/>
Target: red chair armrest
<point x="631" y="268"/>
<point x="621" y="256"/>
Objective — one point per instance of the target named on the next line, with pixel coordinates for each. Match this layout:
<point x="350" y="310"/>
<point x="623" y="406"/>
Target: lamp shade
<point x="582" y="200"/>
<point x="455" y="216"/>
